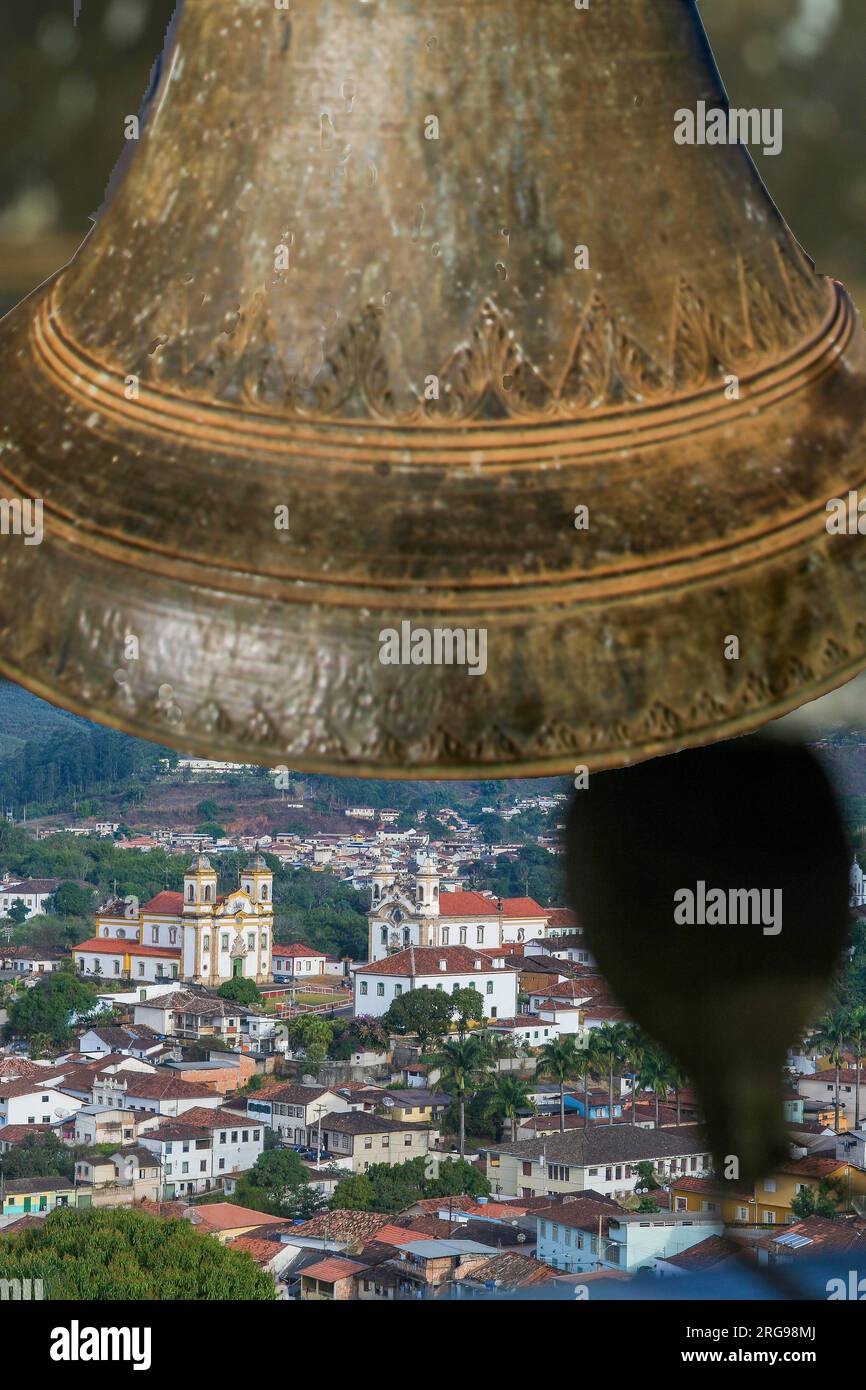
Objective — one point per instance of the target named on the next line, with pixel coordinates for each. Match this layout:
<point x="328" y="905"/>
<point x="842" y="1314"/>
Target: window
<point x="234" y="1136"/>
<point x="245" y="1136"/>
<point x="489" y="986"/>
<point x="117" y="967"/>
<point x="380" y="989"/>
<point x="202" y="1167"/>
<point x="398" y="989"/>
<point x="205" y="943"/>
<point x="770" y="1185"/>
<point x="446" y="934"/>
<point x="256" y="1133"/>
<point x="479" y="936"/>
<point x="222" y="1163"/>
<point x="363" y="986"/>
<point x="141" y="967"/>
<point x="224" y="942"/>
<point x="154" y="935"/>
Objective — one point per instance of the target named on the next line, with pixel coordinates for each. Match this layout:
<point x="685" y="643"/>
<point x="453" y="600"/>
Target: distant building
<point x="194" y="936"/>
<point x="858" y="885"/>
<point x="447" y="968"/>
<point x="35" y="893"/>
<point x="411" y="910"/>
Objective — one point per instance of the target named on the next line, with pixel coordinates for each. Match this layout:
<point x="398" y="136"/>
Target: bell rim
<point x="560" y="766"/>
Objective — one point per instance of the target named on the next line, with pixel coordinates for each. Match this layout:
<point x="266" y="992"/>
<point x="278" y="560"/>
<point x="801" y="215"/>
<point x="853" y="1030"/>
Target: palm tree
<point x="637" y="1048"/>
<point x="829" y="1041"/>
<point x="461" y="1061"/>
<point x="857" y="1038"/>
<point x="510" y="1094"/>
<point x="559" y="1060"/>
<point x="500" y="1048"/>
<point x="611" y="1042"/>
<point x="657" y="1076"/>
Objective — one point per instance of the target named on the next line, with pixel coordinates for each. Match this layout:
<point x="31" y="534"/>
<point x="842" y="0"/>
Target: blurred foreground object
<point x="419" y="406"/>
<point x="664" y="863"/>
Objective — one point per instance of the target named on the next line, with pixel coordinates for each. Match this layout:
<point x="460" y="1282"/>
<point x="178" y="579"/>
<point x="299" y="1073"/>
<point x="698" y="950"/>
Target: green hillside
<point x="24" y="719"/>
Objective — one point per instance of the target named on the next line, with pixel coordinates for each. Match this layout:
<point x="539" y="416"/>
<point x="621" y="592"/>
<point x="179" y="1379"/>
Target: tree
<point x="829" y="1041"/>
<point x="610" y="1048"/>
<point x="646" y="1177"/>
<point x="822" y="1200"/>
<point x="647" y="1206"/>
<point x="98" y="1255"/>
<point x="510" y="1095"/>
<point x="240" y="990"/>
<point x="468" y="1005"/>
<point x="17" y="912"/>
<point x="278" y="1183"/>
<point x="313" y="1035"/>
<point x="50" y="1005"/>
<point x="355" y="1193"/>
<point x="71" y="900"/>
<point x="207" y="810"/>
<point x="424" y="1012"/>
<point x="461" y="1062"/>
<point x="40" y="1155"/>
<point x="857" y="1039"/>
<point x="211" y="828"/>
<point x="658" y="1076"/>
<point x="559" y="1059"/>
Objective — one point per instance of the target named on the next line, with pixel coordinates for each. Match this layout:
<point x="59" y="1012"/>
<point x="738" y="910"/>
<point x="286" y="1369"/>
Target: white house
<point x="569" y="1240"/>
<point x="26" y="1103"/>
<point x="35" y="893"/>
<point x="446" y="968"/>
<point x="203" y="1149"/>
<point x="295" y="961"/>
<point x="293" y="1108"/>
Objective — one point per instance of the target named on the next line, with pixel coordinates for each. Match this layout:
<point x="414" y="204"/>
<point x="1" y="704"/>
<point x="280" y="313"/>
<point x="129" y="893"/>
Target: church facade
<point x="197" y="936"/>
<point x="409" y="910"/>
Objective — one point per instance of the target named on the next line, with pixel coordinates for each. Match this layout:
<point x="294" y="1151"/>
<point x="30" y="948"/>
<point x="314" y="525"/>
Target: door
<point x="27" y="1204"/>
<point x="237" y="969"/>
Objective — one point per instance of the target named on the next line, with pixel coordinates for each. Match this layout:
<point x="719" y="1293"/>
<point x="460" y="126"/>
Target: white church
<point x="196" y="936"/>
<point x="410" y="910"/>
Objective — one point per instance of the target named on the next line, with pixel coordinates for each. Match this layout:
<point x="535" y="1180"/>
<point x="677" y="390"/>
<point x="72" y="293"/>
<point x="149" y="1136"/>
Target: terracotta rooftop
<point x="425" y="960"/>
<point x="226" y="1216"/>
<point x="333" y="1269"/>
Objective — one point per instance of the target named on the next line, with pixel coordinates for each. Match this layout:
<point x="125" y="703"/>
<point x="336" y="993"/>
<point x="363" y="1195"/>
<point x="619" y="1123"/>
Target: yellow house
<point x="770" y="1202"/>
<point x="776" y="1192"/>
<point x="712" y="1196"/>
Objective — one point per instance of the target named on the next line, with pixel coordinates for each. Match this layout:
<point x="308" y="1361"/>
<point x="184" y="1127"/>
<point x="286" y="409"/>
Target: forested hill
<point x="25" y="719"/>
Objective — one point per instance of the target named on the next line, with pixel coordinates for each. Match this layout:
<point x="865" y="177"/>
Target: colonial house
<point x="202" y="1149"/>
<point x="25" y="1102"/>
<point x="193" y="1016"/>
<point x="163" y="1093"/>
<point x="196" y="935"/>
<point x="297" y="961"/>
<point x="30" y="960"/>
<point x="356" y="1140"/>
<point x="109" y="1124"/>
<point x="136" y="1041"/>
<point x="624" y="1241"/>
<point x="604" y="1159"/>
<point x="293" y="1110"/>
<point x="23" y="1196"/>
<point x="34" y="893"/>
<point x="447" y="968"/>
<point x="411" y="910"/>
<point x="820" y="1088"/>
<point x="128" y="1175"/>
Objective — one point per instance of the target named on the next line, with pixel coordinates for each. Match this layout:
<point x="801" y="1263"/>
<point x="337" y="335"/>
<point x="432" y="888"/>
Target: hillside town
<point x="461" y="1111"/>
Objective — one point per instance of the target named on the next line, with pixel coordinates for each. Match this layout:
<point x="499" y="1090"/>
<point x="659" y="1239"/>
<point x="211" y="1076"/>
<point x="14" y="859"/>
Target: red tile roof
<point x="462" y="904"/>
<point x="561" y="917"/>
<point x="122" y="946"/>
<point x="165" y="905"/>
<point x="226" y="1216"/>
<point x="333" y="1269"/>
<point x="424" y="960"/>
<point x="298" y="949"/>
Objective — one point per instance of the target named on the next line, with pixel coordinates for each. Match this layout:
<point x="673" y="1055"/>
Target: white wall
<point x="498" y="989"/>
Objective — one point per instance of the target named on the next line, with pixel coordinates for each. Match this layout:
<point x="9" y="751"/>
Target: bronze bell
<point x="421" y="405"/>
